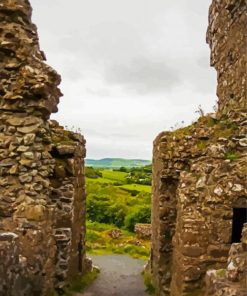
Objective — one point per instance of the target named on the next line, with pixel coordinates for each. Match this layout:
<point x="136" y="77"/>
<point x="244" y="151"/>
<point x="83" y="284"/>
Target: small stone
<point x="8" y="236"/>
<point x="7" y="162"/>
<point x="29" y="139"/>
<point x="218" y="191"/>
<point x="65" y="149"/>
<point x="201" y="183"/>
<point x="28" y="155"/>
<point x="22" y="148"/>
<point x="193" y="251"/>
<point x="25" y="178"/>
<point x="35" y="213"/>
<point x="27" y="162"/>
<point x="243" y="142"/>
<point x="237" y="188"/>
<point x="13" y="170"/>
<point x="28" y="129"/>
<point x="16" y="121"/>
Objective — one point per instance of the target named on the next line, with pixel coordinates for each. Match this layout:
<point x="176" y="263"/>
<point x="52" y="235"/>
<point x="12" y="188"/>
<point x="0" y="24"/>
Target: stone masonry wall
<point x="42" y="198"/>
<point x="231" y="281"/>
<point x="199" y="172"/>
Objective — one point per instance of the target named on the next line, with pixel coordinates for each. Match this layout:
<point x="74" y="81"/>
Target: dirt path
<point x="119" y="276"/>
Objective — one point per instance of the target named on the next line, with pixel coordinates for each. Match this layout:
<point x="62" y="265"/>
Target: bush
<point x="103" y="209"/>
<point x="141" y="214"/>
<point x="92" y="173"/>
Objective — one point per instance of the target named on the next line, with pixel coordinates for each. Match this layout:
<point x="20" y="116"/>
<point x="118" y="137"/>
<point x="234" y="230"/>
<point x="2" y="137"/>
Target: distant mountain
<point x="116" y="163"/>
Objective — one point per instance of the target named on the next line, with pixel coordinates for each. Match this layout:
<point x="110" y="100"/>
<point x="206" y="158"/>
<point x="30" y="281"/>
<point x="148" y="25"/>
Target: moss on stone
<point x="62" y="136"/>
<point x="181" y="132"/>
<point x="221" y="273"/>
<point x="201" y="145"/>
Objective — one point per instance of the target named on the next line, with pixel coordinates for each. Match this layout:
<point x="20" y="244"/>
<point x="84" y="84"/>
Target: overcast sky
<point x="130" y="68"/>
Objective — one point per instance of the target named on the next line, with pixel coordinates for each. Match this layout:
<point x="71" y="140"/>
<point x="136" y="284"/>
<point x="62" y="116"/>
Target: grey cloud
<point x="73" y="72"/>
<point x="143" y="75"/>
<point x="130" y="69"/>
<point x="100" y="92"/>
<point x="203" y="61"/>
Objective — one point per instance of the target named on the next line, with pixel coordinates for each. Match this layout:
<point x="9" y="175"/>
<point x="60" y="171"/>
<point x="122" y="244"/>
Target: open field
<point x="114" y="175"/>
<point x="137" y="187"/>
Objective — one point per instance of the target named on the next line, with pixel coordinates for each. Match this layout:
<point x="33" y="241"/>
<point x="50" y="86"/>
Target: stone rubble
<point x="42" y="189"/>
<point x="199" y="172"/>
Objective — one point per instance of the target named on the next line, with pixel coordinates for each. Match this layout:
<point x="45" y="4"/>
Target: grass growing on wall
<point x="148" y="283"/>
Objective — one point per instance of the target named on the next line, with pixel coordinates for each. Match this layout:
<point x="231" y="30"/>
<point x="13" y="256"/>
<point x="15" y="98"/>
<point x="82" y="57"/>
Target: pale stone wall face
<point x="41" y="167"/>
<point x="199" y="172"/>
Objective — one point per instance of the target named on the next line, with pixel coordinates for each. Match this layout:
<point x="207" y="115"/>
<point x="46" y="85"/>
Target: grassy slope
<point x="98" y="242"/>
<point x="137" y="187"/>
<point x="99" y="180"/>
<point x="114" y="175"/>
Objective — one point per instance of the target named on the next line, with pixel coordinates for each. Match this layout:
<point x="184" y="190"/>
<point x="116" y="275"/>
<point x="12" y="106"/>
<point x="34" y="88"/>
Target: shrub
<point x="92" y="173"/>
<point x="141" y="214"/>
<point x="103" y="209"/>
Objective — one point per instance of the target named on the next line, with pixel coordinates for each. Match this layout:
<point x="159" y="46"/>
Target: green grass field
<point x="137" y="187"/>
<point x="111" y="177"/>
<point x="114" y="175"/>
<point x="99" y="180"/>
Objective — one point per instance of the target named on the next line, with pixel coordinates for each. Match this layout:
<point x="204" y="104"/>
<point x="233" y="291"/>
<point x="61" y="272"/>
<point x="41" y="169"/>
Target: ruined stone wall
<point x="227" y="40"/>
<point x="199" y="172"/>
<point x="68" y="193"/>
<point x="143" y="231"/>
<point x="42" y="198"/>
<point x="233" y="279"/>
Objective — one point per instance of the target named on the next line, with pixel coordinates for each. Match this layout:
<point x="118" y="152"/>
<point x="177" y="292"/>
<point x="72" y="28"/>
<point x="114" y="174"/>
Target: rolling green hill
<point x="116" y="163"/>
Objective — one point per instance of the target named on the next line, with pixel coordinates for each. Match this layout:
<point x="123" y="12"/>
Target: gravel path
<point x="120" y="275"/>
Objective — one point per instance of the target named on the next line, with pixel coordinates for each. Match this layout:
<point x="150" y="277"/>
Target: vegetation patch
<point x="201" y="145"/>
<point x="121" y="205"/>
<point x="79" y="284"/>
<point x="100" y="240"/>
<point x="181" y="132"/>
<point x="148" y="283"/>
<point x="232" y="156"/>
<point x="114" y="175"/>
<point x="137" y="187"/>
